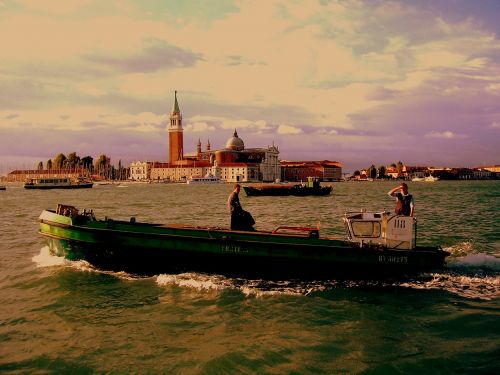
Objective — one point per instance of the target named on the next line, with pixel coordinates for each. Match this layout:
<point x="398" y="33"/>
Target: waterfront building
<point x="325" y="170"/>
<point x="234" y="163"/>
<point x="411" y="172"/>
<point x="140" y="170"/>
<point x="27" y="174"/>
<point x="178" y="172"/>
<point x="491" y="168"/>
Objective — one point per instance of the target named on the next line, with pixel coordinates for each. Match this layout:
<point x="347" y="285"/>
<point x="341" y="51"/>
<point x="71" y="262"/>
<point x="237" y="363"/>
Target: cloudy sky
<point x="356" y="81"/>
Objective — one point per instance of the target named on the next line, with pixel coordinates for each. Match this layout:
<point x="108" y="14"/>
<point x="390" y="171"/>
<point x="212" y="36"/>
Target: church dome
<point x="235" y="143"/>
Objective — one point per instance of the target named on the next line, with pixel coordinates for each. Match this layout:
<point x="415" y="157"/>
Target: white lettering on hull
<point x="392" y="259"/>
<point x="232" y="249"/>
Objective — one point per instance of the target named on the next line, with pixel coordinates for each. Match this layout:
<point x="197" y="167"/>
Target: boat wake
<point x="468" y="275"/>
<point x="46" y="259"/>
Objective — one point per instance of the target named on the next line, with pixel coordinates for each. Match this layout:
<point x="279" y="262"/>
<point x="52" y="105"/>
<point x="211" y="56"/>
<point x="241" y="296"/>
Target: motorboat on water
<point x="207" y="179"/>
<point x="58" y="183"/>
<point x="425" y="179"/>
<point x="431" y="179"/>
<point x="2" y="187"/>
<point x="377" y="245"/>
<point x="312" y="187"/>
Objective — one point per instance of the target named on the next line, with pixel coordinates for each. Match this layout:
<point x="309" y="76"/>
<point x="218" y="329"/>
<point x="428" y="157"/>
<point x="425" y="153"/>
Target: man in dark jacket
<point x="404" y="200"/>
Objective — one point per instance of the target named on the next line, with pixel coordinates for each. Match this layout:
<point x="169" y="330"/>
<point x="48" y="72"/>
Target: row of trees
<point x="102" y="167"/>
<point x="380" y="172"/>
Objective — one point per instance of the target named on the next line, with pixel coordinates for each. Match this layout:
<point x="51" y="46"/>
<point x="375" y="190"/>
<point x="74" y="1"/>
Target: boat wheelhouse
<point x="381" y="229"/>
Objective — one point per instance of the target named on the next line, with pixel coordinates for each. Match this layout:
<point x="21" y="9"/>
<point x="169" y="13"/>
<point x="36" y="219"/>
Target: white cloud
<point x="285" y="129"/>
<point x="447" y="134"/>
<point x="82" y="117"/>
<point x="198" y="127"/>
<point x="494" y="88"/>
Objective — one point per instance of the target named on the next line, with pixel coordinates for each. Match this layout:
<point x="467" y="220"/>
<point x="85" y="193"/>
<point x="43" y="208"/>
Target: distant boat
<point x="2" y="187"/>
<point x="426" y="179"/>
<point x="208" y="179"/>
<point x="57" y="183"/>
<point x="312" y="188"/>
<point x="431" y="179"/>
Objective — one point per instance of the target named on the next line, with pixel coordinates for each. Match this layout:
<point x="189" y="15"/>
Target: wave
<point x="476" y="263"/>
<point x="475" y="287"/>
<point x="471" y="276"/>
<point x="46" y="259"/>
<point x="196" y="281"/>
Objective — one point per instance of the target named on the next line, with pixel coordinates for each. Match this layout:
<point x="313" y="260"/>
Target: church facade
<point x="234" y="163"/>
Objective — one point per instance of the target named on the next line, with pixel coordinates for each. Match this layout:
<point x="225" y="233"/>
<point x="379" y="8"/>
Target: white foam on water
<point x="477" y="287"/>
<point x="46" y="259"/>
<point x="195" y="281"/>
<point x="218" y="283"/>
<point x="461" y="249"/>
<point x="476" y="262"/>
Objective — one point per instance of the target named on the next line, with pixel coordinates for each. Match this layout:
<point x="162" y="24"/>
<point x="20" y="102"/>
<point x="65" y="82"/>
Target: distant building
<point x="415" y="172"/>
<point x="234" y="163"/>
<point x="325" y="170"/>
<point x="23" y="175"/>
<point x="140" y="170"/>
<point x="481" y="174"/>
<point x="491" y="168"/>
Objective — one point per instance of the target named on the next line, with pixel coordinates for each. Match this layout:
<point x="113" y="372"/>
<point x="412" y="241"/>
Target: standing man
<point x="404" y="200"/>
<point x="240" y="219"/>
<point x="234" y="207"/>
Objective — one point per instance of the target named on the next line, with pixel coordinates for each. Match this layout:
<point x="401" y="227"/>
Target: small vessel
<point x="277" y="189"/>
<point x="58" y="183"/>
<point x="377" y="244"/>
<point x="2" y="187"/>
<point x="207" y="179"/>
<point x="431" y="179"/>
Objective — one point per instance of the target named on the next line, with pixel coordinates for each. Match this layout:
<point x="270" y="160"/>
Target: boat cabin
<point x="381" y="228"/>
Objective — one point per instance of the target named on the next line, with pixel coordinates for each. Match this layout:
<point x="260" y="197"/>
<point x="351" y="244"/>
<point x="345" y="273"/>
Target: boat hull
<point x="295" y="190"/>
<point x="149" y="249"/>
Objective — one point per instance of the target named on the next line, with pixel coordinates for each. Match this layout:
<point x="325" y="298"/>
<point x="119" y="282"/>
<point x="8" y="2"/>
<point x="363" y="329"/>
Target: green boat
<point x="377" y="245"/>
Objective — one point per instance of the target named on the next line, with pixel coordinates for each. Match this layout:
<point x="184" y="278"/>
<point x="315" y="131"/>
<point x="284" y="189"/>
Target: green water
<point x="67" y="317"/>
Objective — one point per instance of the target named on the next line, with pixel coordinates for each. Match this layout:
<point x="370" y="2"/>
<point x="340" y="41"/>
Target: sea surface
<point x="58" y="316"/>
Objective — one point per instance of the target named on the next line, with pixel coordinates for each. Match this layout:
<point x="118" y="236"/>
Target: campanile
<point x="175" y="134"/>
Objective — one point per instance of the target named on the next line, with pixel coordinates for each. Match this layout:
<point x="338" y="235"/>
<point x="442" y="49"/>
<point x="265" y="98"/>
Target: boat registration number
<point x="389" y="259"/>
<point x="232" y="249"/>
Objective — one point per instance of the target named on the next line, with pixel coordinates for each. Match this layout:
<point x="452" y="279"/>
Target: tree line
<point x="102" y="166"/>
<point x="380" y="172"/>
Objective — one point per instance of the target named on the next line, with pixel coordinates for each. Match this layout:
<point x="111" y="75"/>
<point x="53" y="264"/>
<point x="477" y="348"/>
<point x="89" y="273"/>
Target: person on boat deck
<point x="240" y="219"/>
<point x="404" y="201"/>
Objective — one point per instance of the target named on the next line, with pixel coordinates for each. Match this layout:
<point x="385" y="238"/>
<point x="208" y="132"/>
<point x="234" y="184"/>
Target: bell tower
<point x="175" y="134"/>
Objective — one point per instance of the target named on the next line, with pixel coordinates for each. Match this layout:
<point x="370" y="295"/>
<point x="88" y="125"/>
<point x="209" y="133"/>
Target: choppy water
<point x="66" y="317"/>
